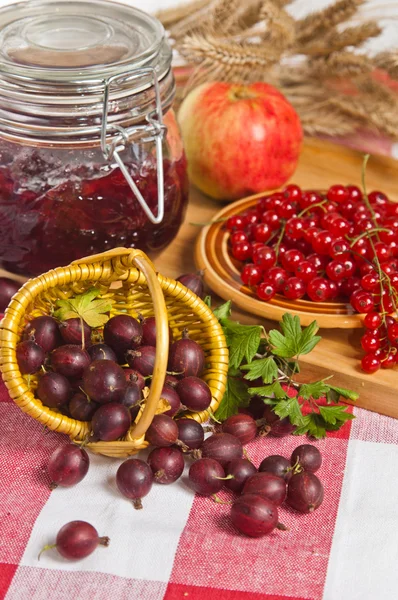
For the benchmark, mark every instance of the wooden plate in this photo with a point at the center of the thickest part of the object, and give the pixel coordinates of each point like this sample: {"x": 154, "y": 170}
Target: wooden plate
{"x": 221, "y": 273}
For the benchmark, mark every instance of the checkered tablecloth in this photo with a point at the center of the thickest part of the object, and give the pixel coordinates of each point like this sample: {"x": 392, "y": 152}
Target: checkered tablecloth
{"x": 182, "y": 546}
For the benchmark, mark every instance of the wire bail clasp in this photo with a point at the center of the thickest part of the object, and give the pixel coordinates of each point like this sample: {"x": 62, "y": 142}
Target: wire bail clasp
{"x": 153, "y": 131}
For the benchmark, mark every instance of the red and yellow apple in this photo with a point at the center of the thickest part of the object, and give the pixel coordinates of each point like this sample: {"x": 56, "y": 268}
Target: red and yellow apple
{"x": 239, "y": 139}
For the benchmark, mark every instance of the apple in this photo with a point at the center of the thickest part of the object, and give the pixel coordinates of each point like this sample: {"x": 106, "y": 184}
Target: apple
{"x": 239, "y": 139}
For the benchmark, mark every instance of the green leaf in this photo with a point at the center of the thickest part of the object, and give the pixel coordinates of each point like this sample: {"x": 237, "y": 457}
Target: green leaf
{"x": 293, "y": 341}
{"x": 242, "y": 340}
{"x": 308, "y": 339}
{"x": 85, "y": 307}
{"x": 332, "y": 396}
{"x": 275, "y": 389}
{"x": 348, "y": 394}
{"x": 315, "y": 390}
{"x": 335, "y": 414}
{"x": 290, "y": 326}
{"x": 207, "y": 301}
{"x": 223, "y": 311}
{"x": 235, "y": 397}
{"x": 289, "y": 408}
{"x": 266, "y": 368}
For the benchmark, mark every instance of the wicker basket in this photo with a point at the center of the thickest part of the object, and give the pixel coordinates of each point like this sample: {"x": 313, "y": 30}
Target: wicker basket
{"x": 128, "y": 278}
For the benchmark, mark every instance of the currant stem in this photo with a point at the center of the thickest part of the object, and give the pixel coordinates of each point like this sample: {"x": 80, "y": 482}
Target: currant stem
{"x": 47, "y": 547}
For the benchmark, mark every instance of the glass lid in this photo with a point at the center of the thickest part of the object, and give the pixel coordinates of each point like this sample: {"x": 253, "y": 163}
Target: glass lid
{"x": 71, "y": 39}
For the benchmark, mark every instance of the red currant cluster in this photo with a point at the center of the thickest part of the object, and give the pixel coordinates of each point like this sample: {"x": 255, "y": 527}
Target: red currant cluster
{"x": 339, "y": 245}
{"x": 380, "y": 342}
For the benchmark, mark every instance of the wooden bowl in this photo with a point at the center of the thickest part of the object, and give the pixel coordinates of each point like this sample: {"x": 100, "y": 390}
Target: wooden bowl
{"x": 222, "y": 274}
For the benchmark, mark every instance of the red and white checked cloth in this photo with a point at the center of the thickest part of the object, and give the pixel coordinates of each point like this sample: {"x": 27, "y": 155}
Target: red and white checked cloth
{"x": 182, "y": 547}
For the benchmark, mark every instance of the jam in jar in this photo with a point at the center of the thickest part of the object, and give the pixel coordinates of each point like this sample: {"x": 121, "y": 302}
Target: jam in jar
{"x": 90, "y": 152}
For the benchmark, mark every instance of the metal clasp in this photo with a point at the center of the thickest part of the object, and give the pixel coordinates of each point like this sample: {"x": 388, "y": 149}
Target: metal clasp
{"x": 155, "y": 130}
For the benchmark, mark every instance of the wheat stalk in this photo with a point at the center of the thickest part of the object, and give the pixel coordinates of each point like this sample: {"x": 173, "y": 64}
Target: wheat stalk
{"x": 341, "y": 64}
{"x": 335, "y": 40}
{"x": 170, "y": 16}
{"x": 320, "y": 22}
{"x": 388, "y": 61}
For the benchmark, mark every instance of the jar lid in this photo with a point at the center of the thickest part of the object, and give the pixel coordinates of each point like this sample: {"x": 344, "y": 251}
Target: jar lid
{"x": 64, "y": 40}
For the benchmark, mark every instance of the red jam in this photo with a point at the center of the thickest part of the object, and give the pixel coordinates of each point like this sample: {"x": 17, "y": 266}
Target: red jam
{"x": 53, "y": 211}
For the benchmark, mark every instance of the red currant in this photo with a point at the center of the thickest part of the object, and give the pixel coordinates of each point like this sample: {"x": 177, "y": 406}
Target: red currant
{"x": 362, "y": 301}
{"x": 318, "y": 261}
{"x": 238, "y": 236}
{"x": 339, "y": 249}
{"x": 350, "y": 285}
{"x": 251, "y": 274}
{"x": 387, "y": 360}
{"x": 287, "y": 209}
{"x": 278, "y": 277}
{"x": 236, "y": 222}
{"x": 370, "y": 342}
{"x": 262, "y": 232}
{"x": 311, "y": 233}
{"x": 291, "y": 258}
{"x": 295, "y": 228}
{"x": 377, "y": 198}
{"x": 294, "y": 288}
{"x": 318, "y": 289}
{"x": 339, "y": 227}
{"x": 370, "y": 363}
{"x": 271, "y": 218}
{"x": 265, "y": 257}
{"x": 354, "y": 193}
{"x": 338, "y": 193}
{"x": 382, "y": 251}
{"x": 370, "y": 282}
{"x": 335, "y": 270}
{"x": 305, "y": 270}
{"x": 266, "y": 291}
{"x": 334, "y": 289}
{"x": 386, "y": 302}
{"x": 392, "y": 332}
{"x": 322, "y": 242}
{"x": 242, "y": 251}
{"x": 308, "y": 198}
{"x": 372, "y": 320}
{"x": 292, "y": 192}
{"x": 252, "y": 217}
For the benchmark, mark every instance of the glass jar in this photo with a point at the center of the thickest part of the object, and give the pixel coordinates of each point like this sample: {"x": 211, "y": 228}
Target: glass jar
{"x": 88, "y": 162}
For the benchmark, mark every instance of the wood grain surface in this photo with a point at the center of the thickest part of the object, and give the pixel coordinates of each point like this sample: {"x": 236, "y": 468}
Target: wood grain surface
{"x": 321, "y": 164}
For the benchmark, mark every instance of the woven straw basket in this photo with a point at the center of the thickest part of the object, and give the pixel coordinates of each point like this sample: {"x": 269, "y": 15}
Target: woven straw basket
{"x": 129, "y": 279}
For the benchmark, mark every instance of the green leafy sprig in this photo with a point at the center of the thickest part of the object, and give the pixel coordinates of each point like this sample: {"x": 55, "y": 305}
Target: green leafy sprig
{"x": 86, "y": 307}
{"x": 271, "y": 361}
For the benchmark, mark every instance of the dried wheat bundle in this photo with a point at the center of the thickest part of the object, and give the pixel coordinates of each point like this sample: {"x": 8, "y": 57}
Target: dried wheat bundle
{"x": 314, "y": 61}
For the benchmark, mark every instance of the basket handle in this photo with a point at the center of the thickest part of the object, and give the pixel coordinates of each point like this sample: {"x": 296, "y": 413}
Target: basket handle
{"x": 127, "y": 258}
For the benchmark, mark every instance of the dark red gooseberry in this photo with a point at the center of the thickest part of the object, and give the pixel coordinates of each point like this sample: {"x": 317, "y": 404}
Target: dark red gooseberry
{"x": 307, "y": 457}
{"x": 194, "y": 282}
{"x": 149, "y": 332}
{"x": 8, "y": 287}
{"x": 135, "y": 376}
{"x": 44, "y": 331}
{"x": 142, "y": 359}
{"x": 54, "y": 390}
{"x": 241, "y": 426}
{"x": 167, "y": 464}
{"x": 190, "y": 433}
{"x": 240, "y": 469}
{"x": 194, "y": 393}
{"x": 104, "y": 381}
{"x": 206, "y": 476}
{"x": 277, "y": 465}
{"x": 268, "y": 486}
{"x": 70, "y": 360}
{"x": 186, "y": 357}
{"x": 279, "y": 427}
{"x": 253, "y": 515}
{"x": 304, "y": 492}
{"x": 134, "y": 479}
{"x": 81, "y": 407}
{"x": 101, "y": 352}
{"x": 75, "y": 331}
{"x": 131, "y": 395}
{"x": 170, "y": 395}
{"x": 110, "y": 422}
{"x": 162, "y": 432}
{"x": 68, "y": 465}
{"x": 222, "y": 447}
{"x": 30, "y": 357}
{"x": 122, "y": 333}
{"x": 78, "y": 539}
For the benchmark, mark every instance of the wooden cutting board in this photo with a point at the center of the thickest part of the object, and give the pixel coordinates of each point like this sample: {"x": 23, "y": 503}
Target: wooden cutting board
{"x": 321, "y": 164}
